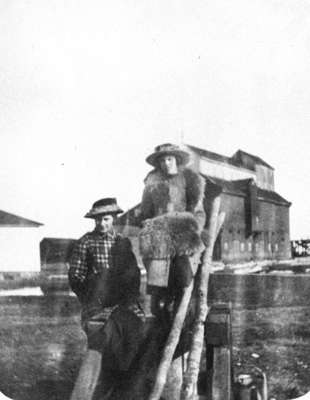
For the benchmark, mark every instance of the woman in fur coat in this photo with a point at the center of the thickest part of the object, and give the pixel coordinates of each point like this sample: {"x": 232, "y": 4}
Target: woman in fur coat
{"x": 174, "y": 216}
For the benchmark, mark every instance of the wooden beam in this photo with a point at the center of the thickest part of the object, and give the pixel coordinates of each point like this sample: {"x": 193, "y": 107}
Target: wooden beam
{"x": 193, "y": 362}
{"x": 221, "y": 382}
{"x": 88, "y": 376}
{"x": 171, "y": 344}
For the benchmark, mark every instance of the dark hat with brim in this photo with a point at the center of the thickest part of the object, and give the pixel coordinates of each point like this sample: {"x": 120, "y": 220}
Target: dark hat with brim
{"x": 104, "y": 207}
{"x": 166, "y": 150}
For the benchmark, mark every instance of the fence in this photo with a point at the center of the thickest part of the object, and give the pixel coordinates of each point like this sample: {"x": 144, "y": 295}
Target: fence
{"x": 300, "y": 248}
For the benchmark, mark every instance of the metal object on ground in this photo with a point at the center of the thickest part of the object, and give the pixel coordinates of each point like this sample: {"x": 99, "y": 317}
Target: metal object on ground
{"x": 245, "y": 379}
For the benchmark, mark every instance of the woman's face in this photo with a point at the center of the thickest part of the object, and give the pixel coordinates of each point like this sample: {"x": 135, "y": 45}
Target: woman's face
{"x": 168, "y": 164}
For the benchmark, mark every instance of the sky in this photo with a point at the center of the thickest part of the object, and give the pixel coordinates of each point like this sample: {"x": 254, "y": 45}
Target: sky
{"x": 89, "y": 88}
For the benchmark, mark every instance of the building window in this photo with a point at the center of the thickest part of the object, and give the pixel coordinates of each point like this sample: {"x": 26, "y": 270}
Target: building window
{"x": 236, "y": 245}
{"x": 269, "y": 246}
{"x": 250, "y": 246}
{"x": 242, "y": 247}
{"x": 225, "y": 246}
{"x": 276, "y": 247}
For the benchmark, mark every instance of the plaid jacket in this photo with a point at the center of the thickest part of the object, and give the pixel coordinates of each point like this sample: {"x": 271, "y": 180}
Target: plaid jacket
{"x": 92, "y": 252}
{"x": 103, "y": 273}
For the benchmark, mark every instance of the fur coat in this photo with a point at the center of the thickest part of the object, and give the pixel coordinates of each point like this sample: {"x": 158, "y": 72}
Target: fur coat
{"x": 173, "y": 206}
{"x": 181, "y": 192}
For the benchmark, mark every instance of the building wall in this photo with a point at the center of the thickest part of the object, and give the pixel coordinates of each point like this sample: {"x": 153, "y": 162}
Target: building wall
{"x": 275, "y": 229}
{"x": 237, "y": 244}
{"x": 20, "y": 249}
{"x": 224, "y": 171}
{"x": 264, "y": 177}
{"x": 218, "y": 169}
{"x": 194, "y": 160}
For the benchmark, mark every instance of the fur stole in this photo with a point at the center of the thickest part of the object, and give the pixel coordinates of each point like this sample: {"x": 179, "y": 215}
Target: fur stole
{"x": 170, "y": 234}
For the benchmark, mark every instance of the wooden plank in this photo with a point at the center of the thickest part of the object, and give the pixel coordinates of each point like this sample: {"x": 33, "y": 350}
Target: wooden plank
{"x": 190, "y": 379}
{"x": 218, "y": 326}
{"x": 218, "y": 340}
{"x": 221, "y": 382}
{"x": 88, "y": 376}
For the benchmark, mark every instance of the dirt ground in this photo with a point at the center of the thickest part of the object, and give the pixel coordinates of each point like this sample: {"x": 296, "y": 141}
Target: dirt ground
{"x": 281, "y": 339}
{"x": 41, "y": 346}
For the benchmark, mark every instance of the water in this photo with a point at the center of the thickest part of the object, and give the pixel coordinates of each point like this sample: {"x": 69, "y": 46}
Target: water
{"x": 29, "y": 291}
{"x": 26, "y": 291}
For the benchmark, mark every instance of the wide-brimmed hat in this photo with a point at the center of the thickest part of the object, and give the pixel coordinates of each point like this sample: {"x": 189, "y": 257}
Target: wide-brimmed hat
{"x": 104, "y": 207}
{"x": 168, "y": 149}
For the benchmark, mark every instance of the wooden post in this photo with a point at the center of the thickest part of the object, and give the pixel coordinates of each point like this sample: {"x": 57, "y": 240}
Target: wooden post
{"x": 171, "y": 344}
{"x": 87, "y": 379}
{"x": 219, "y": 346}
{"x": 193, "y": 362}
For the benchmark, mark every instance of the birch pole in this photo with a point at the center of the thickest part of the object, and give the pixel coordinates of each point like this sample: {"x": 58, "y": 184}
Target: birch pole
{"x": 88, "y": 376}
{"x": 171, "y": 344}
{"x": 193, "y": 362}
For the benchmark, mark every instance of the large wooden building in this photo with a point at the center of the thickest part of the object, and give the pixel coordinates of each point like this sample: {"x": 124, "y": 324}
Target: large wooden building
{"x": 256, "y": 225}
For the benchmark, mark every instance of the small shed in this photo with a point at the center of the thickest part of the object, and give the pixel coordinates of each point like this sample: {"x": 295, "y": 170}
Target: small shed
{"x": 55, "y": 254}
{"x": 19, "y": 243}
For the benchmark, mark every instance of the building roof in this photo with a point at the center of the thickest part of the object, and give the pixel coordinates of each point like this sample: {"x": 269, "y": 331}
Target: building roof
{"x": 240, "y": 188}
{"x": 240, "y": 154}
{"x": 273, "y": 197}
{"x": 12, "y": 220}
{"x": 237, "y": 160}
{"x": 209, "y": 154}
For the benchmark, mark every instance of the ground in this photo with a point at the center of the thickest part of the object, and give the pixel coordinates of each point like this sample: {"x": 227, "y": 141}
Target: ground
{"x": 41, "y": 346}
{"x": 281, "y": 339}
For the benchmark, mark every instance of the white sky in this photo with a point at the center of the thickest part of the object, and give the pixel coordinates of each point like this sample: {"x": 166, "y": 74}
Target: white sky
{"x": 88, "y": 88}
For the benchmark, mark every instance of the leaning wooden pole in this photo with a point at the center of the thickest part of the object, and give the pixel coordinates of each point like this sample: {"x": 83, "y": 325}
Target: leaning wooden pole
{"x": 88, "y": 376}
{"x": 171, "y": 344}
{"x": 190, "y": 379}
